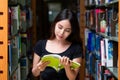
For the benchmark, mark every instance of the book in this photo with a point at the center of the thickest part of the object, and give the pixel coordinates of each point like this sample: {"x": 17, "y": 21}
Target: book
{"x": 24, "y": 67}
{"x": 16, "y": 74}
{"x": 109, "y": 52}
{"x": 55, "y": 62}
{"x": 102, "y": 52}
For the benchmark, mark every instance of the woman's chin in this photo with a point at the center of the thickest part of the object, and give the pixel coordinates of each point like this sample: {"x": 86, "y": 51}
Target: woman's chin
{"x": 59, "y": 38}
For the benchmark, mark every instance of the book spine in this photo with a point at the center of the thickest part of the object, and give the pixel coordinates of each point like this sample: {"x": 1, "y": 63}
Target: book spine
{"x": 102, "y": 50}
{"x": 10, "y": 56}
{"x": 24, "y": 68}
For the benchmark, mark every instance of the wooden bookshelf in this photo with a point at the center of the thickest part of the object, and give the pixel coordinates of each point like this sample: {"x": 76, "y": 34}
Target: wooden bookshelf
{"x": 115, "y": 70}
{"x": 3, "y": 39}
{"x": 33, "y": 7}
{"x": 82, "y": 29}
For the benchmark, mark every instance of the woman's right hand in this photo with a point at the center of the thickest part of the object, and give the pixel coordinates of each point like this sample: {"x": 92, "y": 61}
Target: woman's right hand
{"x": 42, "y": 65}
{"x": 38, "y": 65}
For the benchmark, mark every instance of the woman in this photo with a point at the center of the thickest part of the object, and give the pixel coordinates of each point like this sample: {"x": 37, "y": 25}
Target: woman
{"x": 64, "y": 41}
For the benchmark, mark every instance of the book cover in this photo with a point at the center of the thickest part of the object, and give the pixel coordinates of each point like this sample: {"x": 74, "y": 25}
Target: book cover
{"x": 100, "y": 15}
{"x": 55, "y": 63}
{"x": 109, "y": 21}
{"x": 92, "y": 19}
{"x": 10, "y": 56}
{"x": 16, "y": 74}
{"x": 15, "y": 11}
{"x": 91, "y": 42}
{"x": 24, "y": 66}
{"x": 102, "y": 51}
{"x": 114, "y": 51}
{"x": 91, "y": 63}
{"x": 98, "y": 70}
{"x": 97, "y": 47}
{"x": 9, "y": 21}
{"x": 87, "y": 18}
{"x": 108, "y": 62}
{"x": 109, "y": 52}
{"x": 114, "y": 21}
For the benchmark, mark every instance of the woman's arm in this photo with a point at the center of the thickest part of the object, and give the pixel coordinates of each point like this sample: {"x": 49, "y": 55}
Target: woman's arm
{"x": 35, "y": 69}
{"x": 71, "y": 73}
{"x": 38, "y": 65}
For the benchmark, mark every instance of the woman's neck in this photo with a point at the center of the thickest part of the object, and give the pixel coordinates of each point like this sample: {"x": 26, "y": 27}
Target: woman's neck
{"x": 60, "y": 42}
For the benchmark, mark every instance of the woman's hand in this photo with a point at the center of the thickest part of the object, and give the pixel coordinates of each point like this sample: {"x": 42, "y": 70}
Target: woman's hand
{"x": 38, "y": 65}
{"x": 65, "y": 61}
{"x": 42, "y": 65}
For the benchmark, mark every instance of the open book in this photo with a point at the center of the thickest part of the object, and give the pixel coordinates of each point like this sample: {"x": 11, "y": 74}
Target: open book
{"x": 55, "y": 62}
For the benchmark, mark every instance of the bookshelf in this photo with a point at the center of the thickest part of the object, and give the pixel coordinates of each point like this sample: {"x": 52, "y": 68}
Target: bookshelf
{"x": 15, "y": 39}
{"x": 19, "y": 38}
{"x": 3, "y": 40}
{"x": 102, "y": 39}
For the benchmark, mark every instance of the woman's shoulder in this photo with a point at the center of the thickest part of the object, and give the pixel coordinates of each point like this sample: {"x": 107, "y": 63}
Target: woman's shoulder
{"x": 40, "y": 43}
{"x": 39, "y": 47}
{"x": 76, "y": 45}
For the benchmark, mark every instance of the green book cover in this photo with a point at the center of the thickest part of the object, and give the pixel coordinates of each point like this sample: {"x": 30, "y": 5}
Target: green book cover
{"x": 55, "y": 62}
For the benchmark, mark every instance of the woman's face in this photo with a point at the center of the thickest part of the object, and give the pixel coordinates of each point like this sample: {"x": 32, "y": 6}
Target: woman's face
{"x": 62, "y": 29}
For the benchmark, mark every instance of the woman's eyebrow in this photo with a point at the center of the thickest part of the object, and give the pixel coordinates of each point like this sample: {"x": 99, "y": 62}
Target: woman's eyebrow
{"x": 62, "y": 26}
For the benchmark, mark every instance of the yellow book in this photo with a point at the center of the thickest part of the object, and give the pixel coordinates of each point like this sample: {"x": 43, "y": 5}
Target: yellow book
{"x": 55, "y": 62}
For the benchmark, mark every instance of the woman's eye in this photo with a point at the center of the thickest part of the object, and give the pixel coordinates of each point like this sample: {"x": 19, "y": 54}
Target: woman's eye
{"x": 67, "y": 30}
{"x": 59, "y": 27}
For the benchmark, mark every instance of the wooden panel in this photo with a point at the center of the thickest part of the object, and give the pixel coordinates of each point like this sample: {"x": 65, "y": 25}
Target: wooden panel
{"x": 3, "y": 39}
{"x": 82, "y": 29}
{"x": 33, "y": 7}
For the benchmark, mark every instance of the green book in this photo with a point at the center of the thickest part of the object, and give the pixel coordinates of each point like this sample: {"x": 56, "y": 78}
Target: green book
{"x": 55, "y": 62}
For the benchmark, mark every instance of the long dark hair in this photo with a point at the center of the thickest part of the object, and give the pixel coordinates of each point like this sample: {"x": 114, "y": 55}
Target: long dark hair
{"x": 74, "y": 37}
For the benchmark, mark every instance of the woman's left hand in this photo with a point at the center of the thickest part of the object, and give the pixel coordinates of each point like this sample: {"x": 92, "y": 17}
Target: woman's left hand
{"x": 65, "y": 61}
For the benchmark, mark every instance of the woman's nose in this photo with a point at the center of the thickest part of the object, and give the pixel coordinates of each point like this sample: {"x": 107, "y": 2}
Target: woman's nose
{"x": 62, "y": 31}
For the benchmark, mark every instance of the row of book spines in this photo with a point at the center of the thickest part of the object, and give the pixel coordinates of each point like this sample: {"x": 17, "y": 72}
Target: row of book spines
{"x": 98, "y": 2}
{"x": 17, "y": 47}
{"x": 94, "y": 68}
{"x": 19, "y": 20}
{"x": 102, "y": 48}
{"x": 21, "y": 71}
{"x": 15, "y": 53}
{"x": 19, "y": 42}
{"x": 103, "y": 20}
{"x": 22, "y": 3}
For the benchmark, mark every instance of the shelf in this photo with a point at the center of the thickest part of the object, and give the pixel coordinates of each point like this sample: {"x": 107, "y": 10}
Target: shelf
{"x": 104, "y": 5}
{"x": 114, "y": 71}
{"x": 112, "y": 38}
{"x": 102, "y": 38}
{"x": 109, "y": 37}
{"x": 108, "y": 4}
{"x": 112, "y": 2}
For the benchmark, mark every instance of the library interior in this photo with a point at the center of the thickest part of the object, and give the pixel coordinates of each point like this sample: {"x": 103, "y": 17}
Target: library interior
{"x": 24, "y": 22}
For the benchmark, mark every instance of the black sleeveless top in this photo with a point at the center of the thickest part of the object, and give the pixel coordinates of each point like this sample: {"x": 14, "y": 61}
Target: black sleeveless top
{"x": 74, "y": 51}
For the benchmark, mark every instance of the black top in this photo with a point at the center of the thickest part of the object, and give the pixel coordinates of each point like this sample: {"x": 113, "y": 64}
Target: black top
{"x": 74, "y": 51}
